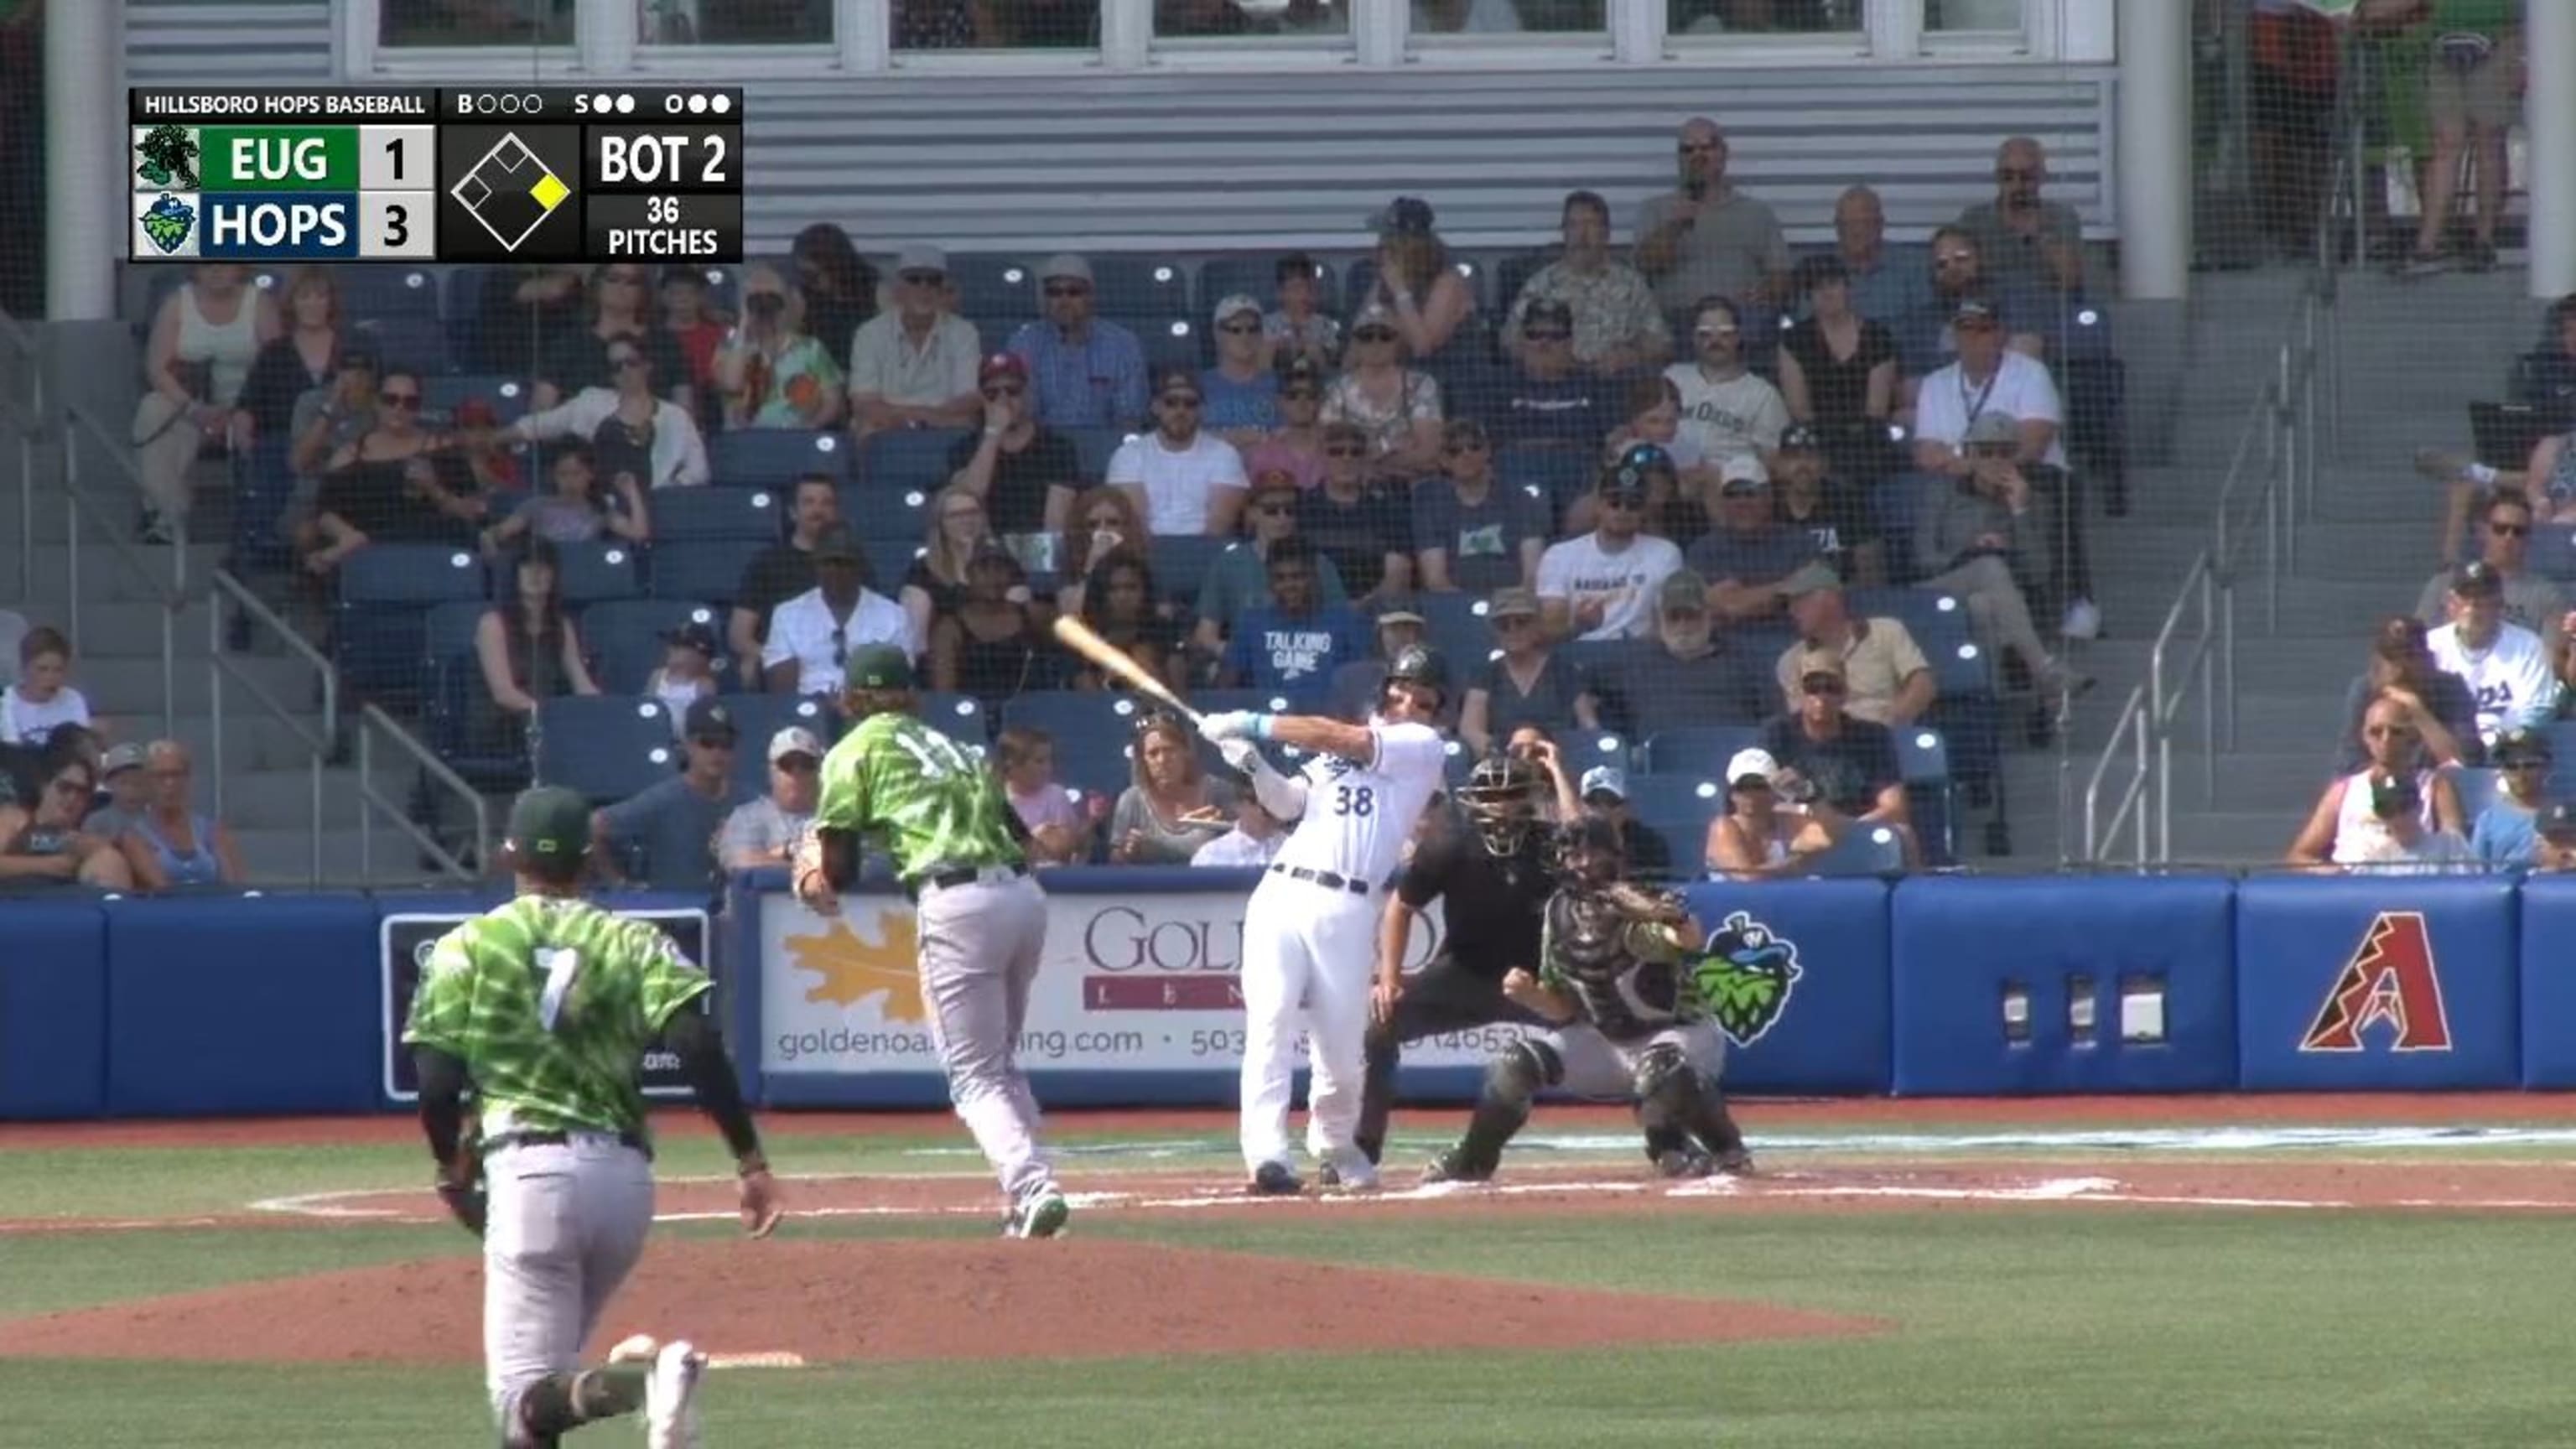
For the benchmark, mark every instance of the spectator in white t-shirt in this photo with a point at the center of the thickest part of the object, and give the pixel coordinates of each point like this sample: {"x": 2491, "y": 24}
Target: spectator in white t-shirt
{"x": 2506, "y": 666}
{"x": 812, "y": 634}
{"x": 1991, "y": 377}
{"x": 41, "y": 702}
{"x": 1603, "y": 585}
{"x": 1254, "y": 840}
{"x": 1182, "y": 480}
{"x": 1727, "y": 410}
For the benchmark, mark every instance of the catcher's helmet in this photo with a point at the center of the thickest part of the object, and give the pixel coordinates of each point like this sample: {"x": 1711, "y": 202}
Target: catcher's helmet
{"x": 1420, "y": 664}
{"x": 1589, "y": 849}
{"x": 1501, "y": 799}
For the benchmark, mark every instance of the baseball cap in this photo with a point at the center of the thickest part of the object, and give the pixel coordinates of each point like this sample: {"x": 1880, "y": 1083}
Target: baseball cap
{"x": 1300, "y": 369}
{"x": 1683, "y": 593}
{"x": 2557, "y": 819}
{"x": 549, "y": 823}
{"x": 1513, "y": 602}
{"x": 921, "y": 257}
{"x": 1799, "y": 438}
{"x": 1628, "y": 474}
{"x": 836, "y": 544}
{"x": 1607, "y": 780}
{"x": 1235, "y": 306}
{"x": 2522, "y": 744}
{"x": 1553, "y": 310}
{"x": 2477, "y": 577}
{"x": 1373, "y": 313}
{"x": 1400, "y": 611}
{"x": 794, "y": 740}
{"x": 1993, "y": 429}
{"x": 356, "y": 353}
{"x": 878, "y": 666}
{"x": 1742, "y": 473}
{"x": 1272, "y": 480}
{"x": 1973, "y": 308}
{"x": 1404, "y": 216}
{"x": 708, "y": 719}
{"x": 119, "y": 760}
{"x": 2399, "y": 636}
{"x": 1811, "y": 578}
{"x": 1755, "y": 764}
{"x": 1065, "y": 265}
{"x": 1813, "y": 662}
{"x": 694, "y": 636}
{"x": 1001, "y": 364}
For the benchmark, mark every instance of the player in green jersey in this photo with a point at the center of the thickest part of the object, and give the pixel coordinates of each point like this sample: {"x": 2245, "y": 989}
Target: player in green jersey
{"x": 543, "y": 1008}
{"x": 960, "y": 850}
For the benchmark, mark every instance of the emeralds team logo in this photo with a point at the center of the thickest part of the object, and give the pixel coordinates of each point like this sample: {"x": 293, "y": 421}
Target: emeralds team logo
{"x": 168, "y": 222}
{"x": 169, "y": 157}
{"x": 1746, "y": 974}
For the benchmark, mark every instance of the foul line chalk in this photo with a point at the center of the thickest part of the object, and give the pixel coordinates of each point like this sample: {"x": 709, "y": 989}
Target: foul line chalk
{"x": 769, "y": 1360}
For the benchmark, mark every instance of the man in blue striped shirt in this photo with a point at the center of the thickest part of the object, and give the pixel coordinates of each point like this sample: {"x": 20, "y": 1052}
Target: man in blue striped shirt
{"x": 1084, "y": 372}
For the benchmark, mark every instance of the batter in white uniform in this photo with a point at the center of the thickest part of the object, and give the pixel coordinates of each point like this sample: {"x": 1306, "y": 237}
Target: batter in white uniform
{"x": 1310, "y": 930}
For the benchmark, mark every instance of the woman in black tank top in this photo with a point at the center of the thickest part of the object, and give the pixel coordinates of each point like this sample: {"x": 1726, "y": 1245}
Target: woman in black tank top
{"x": 46, "y": 846}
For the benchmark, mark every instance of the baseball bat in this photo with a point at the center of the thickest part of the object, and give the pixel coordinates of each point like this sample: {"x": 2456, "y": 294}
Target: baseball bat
{"x": 1078, "y": 637}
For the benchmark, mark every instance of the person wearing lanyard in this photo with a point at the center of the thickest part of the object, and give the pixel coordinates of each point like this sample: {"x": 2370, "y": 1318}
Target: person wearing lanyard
{"x": 1989, "y": 375}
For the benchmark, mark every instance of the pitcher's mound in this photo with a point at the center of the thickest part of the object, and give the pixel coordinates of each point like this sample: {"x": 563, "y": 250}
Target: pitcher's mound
{"x": 831, "y": 1301}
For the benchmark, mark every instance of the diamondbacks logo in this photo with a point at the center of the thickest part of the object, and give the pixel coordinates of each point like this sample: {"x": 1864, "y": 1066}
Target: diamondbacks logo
{"x": 2392, "y": 980}
{"x": 1746, "y": 974}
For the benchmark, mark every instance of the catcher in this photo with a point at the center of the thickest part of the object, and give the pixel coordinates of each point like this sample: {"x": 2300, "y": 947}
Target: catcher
{"x": 1613, "y": 975}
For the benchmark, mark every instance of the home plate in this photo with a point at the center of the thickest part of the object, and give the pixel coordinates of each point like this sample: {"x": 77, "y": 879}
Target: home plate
{"x": 755, "y": 1360}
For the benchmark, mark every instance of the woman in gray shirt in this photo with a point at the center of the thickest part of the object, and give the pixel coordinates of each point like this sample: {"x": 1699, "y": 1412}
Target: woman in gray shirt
{"x": 1173, "y": 808}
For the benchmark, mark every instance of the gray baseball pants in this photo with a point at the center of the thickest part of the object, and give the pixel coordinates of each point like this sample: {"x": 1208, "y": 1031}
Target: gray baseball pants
{"x": 564, "y": 1227}
{"x": 981, "y": 943}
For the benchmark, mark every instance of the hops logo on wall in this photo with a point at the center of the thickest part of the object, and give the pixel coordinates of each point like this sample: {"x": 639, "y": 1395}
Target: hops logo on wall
{"x": 1746, "y": 974}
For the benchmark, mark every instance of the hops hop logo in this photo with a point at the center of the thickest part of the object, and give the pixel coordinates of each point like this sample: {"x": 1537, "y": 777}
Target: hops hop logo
{"x": 1746, "y": 974}
{"x": 169, "y": 222}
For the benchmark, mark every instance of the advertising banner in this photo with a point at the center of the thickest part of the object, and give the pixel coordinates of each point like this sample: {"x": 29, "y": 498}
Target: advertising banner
{"x": 406, "y": 941}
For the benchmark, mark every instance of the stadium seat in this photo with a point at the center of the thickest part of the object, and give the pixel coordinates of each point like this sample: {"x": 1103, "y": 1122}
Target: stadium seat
{"x": 1142, "y": 286}
{"x": 1457, "y": 762}
{"x": 1922, "y": 756}
{"x": 1700, "y": 751}
{"x": 1092, "y": 732}
{"x": 382, "y": 617}
{"x": 604, "y": 747}
{"x": 1000, "y": 286}
{"x": 889, "y": 559}
{"x": 1583, "y": 750}
{"x": 1092, "y": 449}
{"x": 886, "y": 513}
{"x": 1560, "y": 475}
{"x": 1355, "y": 688}
{"x": 1874, "y": 850}
{"x": 961, "y": 717}
{"x": 447, "y": 631}
{"x": 907, "y": 459}
{"x": 409, "y": 342}
{"x": 703, "y": 513}
{"x": 1254, "y": 275}
{"x": 1362, "y": 277}
{"x": 773, "y": 457}
{"x": 702, "y": 571}
{"x": 1677, "y": 798}
{"x": 1513, "y": 273}
{"x": 1456, "y": 623}
{"x": 410, "y": 574}
{"x": 2480, "y": 787}
{"x": 623, "y": 638}
{"x": 1169, "y": 339}
{"x": 600, "y": 570}
{"x": 756, "y": 717}
{"x": 507, "y": 395}
{"x": 1181, "y": 565}
{"x": 1940, "y": 626}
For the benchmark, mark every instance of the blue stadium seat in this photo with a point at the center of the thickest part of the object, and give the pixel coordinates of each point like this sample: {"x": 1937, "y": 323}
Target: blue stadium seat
{"x": 1701, "y": 751}
{"x": 1560, "y": 475}
{"x": 1871, "y": 851}
{"x": 1688, "y": 798}
{"x": 1513, "y": 273}
{"x": 624, "y": 638}
{"x": 1255, "y": 274}
{"x": 1181, "y": 565}
{"x": 447, "y": 632}
{"x": 1092, "y": 731}
{"x": 598, "y": 571}
{"x": 702, "y": 571}
{"x": 889, "y": 559}
{"x": 1362, "y": 276}
{"x": 1092, "y": 449}
{"x": 410, "y": 574}
{"x": 1142, "y": 285}
{"x": 756, "y": 717}
{"x": 1456, "y": 623}
{"x": 1687, "y": 845}
{"x": 412, "y": 343}
{"x": 1169, "y": 339}
{"x": 1583, "y": 750}
{"x": 907, "y": 459}
{"x": 2480, "y": 787}
{"x": 1001, "y": 286}
{"x": 775, "y": 457}
{"x": 887, "y": 514}
{"x": 704, "y": 513}
{"x": 1355, "y": 688}
{"x": 1922, "y": 755}
{"x": 382, "y": 615}
{"x": 507, "y": 395}
{"x": 961, "y": 717}
{"x": 605, "y": 747}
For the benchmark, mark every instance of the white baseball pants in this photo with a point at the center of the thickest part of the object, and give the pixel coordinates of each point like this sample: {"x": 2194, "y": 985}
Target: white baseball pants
{"x": 981, "y": 944}
{"x": 563, "y": 1227}
{"x": 1308, "y": 955}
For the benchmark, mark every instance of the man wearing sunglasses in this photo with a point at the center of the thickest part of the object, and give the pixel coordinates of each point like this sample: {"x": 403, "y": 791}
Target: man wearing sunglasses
{"x": 1183, "y": 480}
{"x": 914, "y": 367}
{"x": 2507, "y": 833}
{"x": 2504, "y": 545}
{"x": 2025, "y": 240}
{"x": 2507, "y": 668}
{"x": 1728, "y": 410}
{"x": 1242, "y": 390}
{"x": 664, "y": 835}
{"x": 1617, "y": 326}
{"x": 1841, "y": 767}
{"x": 1239, "y": 580}
{"x": 1604, "y": 584}
{"x": 1705, "y": 237}
{"x": 1086, "y": 373}
{"x": 1550, "y": 400}
{"x": 1025, "y": 472}
{"x": 766, "y": 832}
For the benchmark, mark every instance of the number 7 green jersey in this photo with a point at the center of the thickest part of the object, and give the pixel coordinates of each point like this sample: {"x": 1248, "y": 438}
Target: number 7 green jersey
{"x": 550, "y": 1004}
{"x": 930, "y": 800}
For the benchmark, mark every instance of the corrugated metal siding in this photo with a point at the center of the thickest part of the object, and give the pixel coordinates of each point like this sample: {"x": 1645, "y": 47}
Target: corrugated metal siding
{"x": 228, "y": 42}
{"x": 1203, "y": 162}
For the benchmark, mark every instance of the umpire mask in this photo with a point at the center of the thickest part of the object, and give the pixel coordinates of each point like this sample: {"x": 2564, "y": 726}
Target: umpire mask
{"x": 1501, "y": 798}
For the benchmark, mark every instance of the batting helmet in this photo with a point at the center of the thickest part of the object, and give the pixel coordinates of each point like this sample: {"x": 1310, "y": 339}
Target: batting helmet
{"x": 1420, "y": 664}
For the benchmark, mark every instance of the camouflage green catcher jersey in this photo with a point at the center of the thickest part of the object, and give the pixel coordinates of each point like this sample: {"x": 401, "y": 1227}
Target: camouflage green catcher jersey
{"x": 929, "y": 800}
{"x": 550, "y": 1005}
{"x": 1628, "y": 979}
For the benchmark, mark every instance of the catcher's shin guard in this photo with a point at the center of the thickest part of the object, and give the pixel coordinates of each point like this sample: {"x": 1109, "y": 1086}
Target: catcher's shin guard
{"x": 1511, "y": 1081}
{"x": 1716, "y": 1128}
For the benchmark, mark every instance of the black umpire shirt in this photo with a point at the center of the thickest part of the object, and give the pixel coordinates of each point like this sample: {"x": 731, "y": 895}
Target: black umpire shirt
{"x": 1492, "y": 907}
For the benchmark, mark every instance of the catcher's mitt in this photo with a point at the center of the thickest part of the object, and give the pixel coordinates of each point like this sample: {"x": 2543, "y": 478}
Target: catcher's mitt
{"x": 1638, "y": 903}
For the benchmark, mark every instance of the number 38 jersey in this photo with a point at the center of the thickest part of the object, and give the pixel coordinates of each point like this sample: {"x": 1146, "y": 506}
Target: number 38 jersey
{"x": 550, "y": 1004}
{"x": 1358, "y": 816}
{"x": 931, "y": 802}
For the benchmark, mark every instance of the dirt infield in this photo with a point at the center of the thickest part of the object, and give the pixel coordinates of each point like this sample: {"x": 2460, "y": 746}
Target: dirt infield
{"x": 823, "y": 1302}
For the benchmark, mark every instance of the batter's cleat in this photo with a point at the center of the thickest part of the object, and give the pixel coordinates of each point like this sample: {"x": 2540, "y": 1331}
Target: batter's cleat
{"x": 1042, "y": 1213}
{"x": 671, "y": 1397}
{"x": 1448, "y": 1168}
{"x": 1682, "y": 1162}
{"x": 1274, "y": 1179}
{"x": 1351, "y": 1173}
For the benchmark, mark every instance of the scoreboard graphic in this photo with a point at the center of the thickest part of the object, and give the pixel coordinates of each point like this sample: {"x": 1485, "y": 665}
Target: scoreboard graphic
{"x": 479, "y": 174}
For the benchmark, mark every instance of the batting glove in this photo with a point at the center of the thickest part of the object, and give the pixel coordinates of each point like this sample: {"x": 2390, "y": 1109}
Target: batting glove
{"x": 1235, "y": 724}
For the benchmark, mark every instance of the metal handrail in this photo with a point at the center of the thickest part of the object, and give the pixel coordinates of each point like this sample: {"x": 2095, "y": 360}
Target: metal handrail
{"x": 79, "y": 505}
{"x": 319, "y": 744}
{"x": 373, "y": 721}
